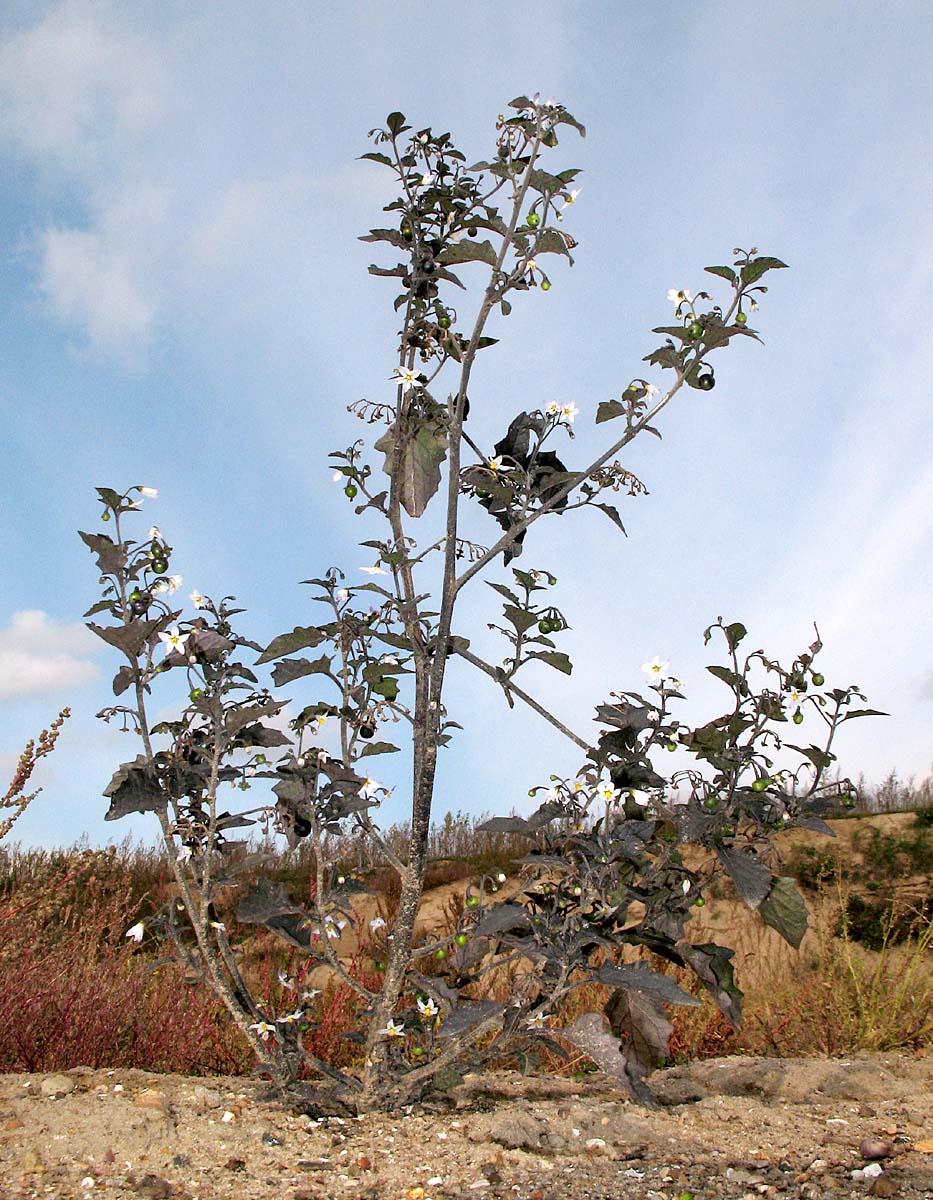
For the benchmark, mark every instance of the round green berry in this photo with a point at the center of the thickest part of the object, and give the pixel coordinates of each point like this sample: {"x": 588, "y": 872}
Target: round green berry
{"x": 533, "y": 220}
{"x": 440, "y": 954}
{"x": 699, "y": 902}
{"x": 351, "y": 491}
{"x": 741, "y": 318}
{"x": 462, "y": 938}
{"x": 694, "y": 330}
{"x": 818, "y": 679}
{"x": 472, "y": 901}
{"x": 105, "y": 516}
{"x": 797, "y": 718}
{"x": 761, "y": 784}
{"x": 417, "y": 1051}
{"x": 196, "y": 694}
{"x": 545, "y": 285}
{"x": 159, "y": 566}
{"x": 444, "y": 321}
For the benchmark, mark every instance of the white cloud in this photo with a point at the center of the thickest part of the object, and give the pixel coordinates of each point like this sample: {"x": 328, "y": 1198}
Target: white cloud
{"x": 39, "y": 656}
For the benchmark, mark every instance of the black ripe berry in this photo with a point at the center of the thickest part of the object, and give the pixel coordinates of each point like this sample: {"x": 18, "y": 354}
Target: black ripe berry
{"x": 706, "y": 382}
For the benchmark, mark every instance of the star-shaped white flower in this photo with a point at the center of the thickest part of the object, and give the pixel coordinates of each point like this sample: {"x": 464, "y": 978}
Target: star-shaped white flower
{"x": 679, "y": 296}
{"x": 136, "y": 931}
{"x": 553, "y": 409}
{"x": 264, "y": 1029}
{"x": 149, "y": 492}
{"x": 197, "y": 599}
{"x": 155, "y": 534}
{"x": 641, "y": 798}
{"x": 651, "y": 389}
{"x": 332, "y": 928}
{"x": 407, "y": 378}
{"x": 342, "y": 595}
{"x": 495, "y": 464}
{"x": 537, "y": 1021}
{"x": 655, "y": 670}
{"x": 308, "y": 995}
{"x": 686, "y": 886}
{"x": 675, "y": 685}
{"x": 568, "y": 412}
{"x": 428, "y": 1008}
{"x": 393, "y": 1029}
{"x": 376, "y": 570}
{"x": 377, "y": 923}
{"x": 796, "y": 698}
{"x": 607, "y": 793}
{"x": 292, "y": 1017}
{"x": 286, "y": 982}
{"x": 370, "y": 788}
{"x": 173, "y": 639}
{"x": 571, "y": 196}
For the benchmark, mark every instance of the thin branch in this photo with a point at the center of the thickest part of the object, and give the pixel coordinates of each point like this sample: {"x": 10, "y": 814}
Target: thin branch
{"x": 511, "y": 688}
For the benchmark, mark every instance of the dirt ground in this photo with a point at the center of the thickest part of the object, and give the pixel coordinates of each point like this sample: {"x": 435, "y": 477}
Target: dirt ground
{"x": 735, "y": 1127}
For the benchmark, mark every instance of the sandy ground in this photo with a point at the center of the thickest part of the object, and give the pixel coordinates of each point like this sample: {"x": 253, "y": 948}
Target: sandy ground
{"x": 725, "y": 1127}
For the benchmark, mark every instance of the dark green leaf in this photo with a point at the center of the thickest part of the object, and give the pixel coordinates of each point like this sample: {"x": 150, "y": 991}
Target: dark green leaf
{"x": 863, "y": 712}
{"x": 467, "y": 1014}
{"x": 375, "y": 156}
{"x": 395, "y": 123}
{"x": 588, "y": 1034}
{"x": 751, "y": 876}
{"x": 820, "y": 759}
{"x": 295, "y": 668}
{"x": 501, "y": 919}
{"x": 378, "y": 748}
{"x": 554, "y": 658}
{"x": 638, "y": 976}
{"x": 128, "y": 638}
{"x": 521, "y": 618}
{"x": 263, "y": 735}
{"x": 735, "y": 633}
{"x": 393, "y": 236}
{"x": 419, "y": 474}
{"x": 111, "y": 556}
{"x": 722, "y": 272}
{"x": 713, "y": 967}
{"x": 122, "y": 680}
{"x": 785, "y": 910}
{"x": 608, "y": 410}
{"x": 468, "y": 251}
{"x": 612, "y": 513}
{"x": 639, "y": 1019}
{"x": 753, "y": 271}
{"x": 300, "y": 638}
{"x": 506, "y": 825}
{"x": 134, "y": 788}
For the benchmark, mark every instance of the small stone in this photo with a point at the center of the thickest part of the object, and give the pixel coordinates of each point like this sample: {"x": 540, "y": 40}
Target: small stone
{"x": 13, "y": 1123}
{"x": 873, "y": 1149}
{"x": 154, "y": 1187}
{"x": 227, "y": 1117}
{"x": 57, "y": 1085}
{"x": 478, "y": 1183}
{"x": 269, "y": 1139}
{"x": 884, "y": 1185}
{"x": 235, "y": 1164}
{"x": 150, "y": 1098}
{"x": 205, "y": 1097}
{"x": 364, "y": 1162}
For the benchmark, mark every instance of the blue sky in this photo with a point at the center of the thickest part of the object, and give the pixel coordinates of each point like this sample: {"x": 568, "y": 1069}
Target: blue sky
{"x": 185, "y": 305}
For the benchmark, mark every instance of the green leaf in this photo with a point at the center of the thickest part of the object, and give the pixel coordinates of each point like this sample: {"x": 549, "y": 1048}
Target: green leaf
{"x": 732, "y": 678}
{"x": 520, "y": 103}
{"x": 608, "y": 410}
{"x": 820, "y": 759}
{"x": 554, "y": 658}
{"x": 785, "y": 910}
{"x": 468, "y": 250}
{"x": 521, "y": 618}
{"x": 713, "y": 968}
{"x": 751, "y": 876}
{"x": 129, "y": 638}
{"x": 722, "y": 272}
{"x": 419, "y": 474}
{"x": 393, "y": 236}
{"x": 503, "y": 591}
{"x": 378, "y": 748}
{"x": 111, "y": 556}
{"x": 863, "y": 712}
{"x": 301, "y": 638}
{"x": 551, "y": 242}
{"x": 754, "y": 270}
{"x": 395, "y": 123}
{"x": 375, "y": 156}
{"x": 296, "y": 668}
{"x": 735, "y": 633}
{"x": 613, "y": 514}
{"x": 134, "y": 788}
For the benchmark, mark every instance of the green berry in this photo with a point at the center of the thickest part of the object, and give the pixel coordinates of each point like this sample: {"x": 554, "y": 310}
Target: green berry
{"x": 472, "y": 901}
{"x": 417, "y": 1051}
{"x": 462, "y": 938}
{"x": 379, "y": 964}
{"x": 159, "y": 566}
{"x": 672, "y": 746}
{"x": 710, "y": 803}
{"x": 545, "y": 285}
{"x": 544, "y": 626}
{"x": 699, "y": 902}
{"x": 797, "y": 718}
{"x": 444, "y": 321}
{"x": 407, "y": 233}
{"x": 105, "y": 516}
{"x": 196, "y": 694}
{"x": 761, "y": 784}
{"x": 440, "y": 954}
{"x": 818, "y": 680}
{"x": 741, "y": 318}
{"x": 694, "y": 330}
{"x": 351, "y": 491}
{"x": 533, "y": 220}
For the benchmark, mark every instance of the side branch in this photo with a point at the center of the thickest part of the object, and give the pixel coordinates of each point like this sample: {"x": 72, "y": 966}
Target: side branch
{"x": 554, "y": 499}
{"x": 512, "y": 689}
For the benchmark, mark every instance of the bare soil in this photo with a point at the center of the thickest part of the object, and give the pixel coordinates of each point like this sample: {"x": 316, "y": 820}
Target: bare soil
{"x": 736, "y": 1127}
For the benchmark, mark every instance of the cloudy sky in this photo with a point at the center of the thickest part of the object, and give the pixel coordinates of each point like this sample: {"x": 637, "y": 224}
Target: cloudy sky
{"x": 185, "y": 304}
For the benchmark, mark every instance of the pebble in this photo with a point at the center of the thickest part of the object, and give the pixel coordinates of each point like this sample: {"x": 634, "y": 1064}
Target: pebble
{"x": 150, "y": 1098}
{"x": 57, "y": 1085}
{"x": 872, "y": 1149}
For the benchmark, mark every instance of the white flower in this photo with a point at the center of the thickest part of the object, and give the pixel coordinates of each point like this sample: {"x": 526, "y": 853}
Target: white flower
{"x": 136, "y": 931}
{"x": 553, "y": 409}
{"x": 607, "y": 793}
{"x": 184, "y": 854}
{"x": 376, "y": 570}
{"x": 686, "y": 886}
{"x": 148, "y": 492}
{"x": 308, "y": 995}
{"x": 531, "y": 265}
{"x": 322, "y": 756}
{"x": 370, "y": 788}
{"x": 392, "y": 1029}
{"x": 342, "y": 595}
{"x": 407, "y": 378}
{"x": 285, "y": 981}
{"x": 218, "y": 925}
{"x": 641, "y": 798}
{"x": 537, "y": 1021}
{"x": 332, "y": 928}
{"x": 173, "y": 639}
{"x": 796, "y": 698}
{"x": 501, "y": 877}
{"x": 428, "y": 1008}
{"x": 571, "y": 196}
{"x": 653, "y": 715}
{"x": 568, "y": 412}
{"x": 495, "y": 464}
{"x": 674, "y": 684}
{"x": 155, "y": 533}
{"x": 196, "y": 599}
{"x": 656, "y": 670}
{"x": 390, "y": 660}
{"x": 336, "y": 477}
{"x": 292, "y": 1017}
{"x": 577, "y": 787}
{"x": 679, "y": 296}
{"x": 320, "y": 720}
{"x": 377, "y": 923}
{"x": 264, "y": 1029}
{"x": 168, "y": 584}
